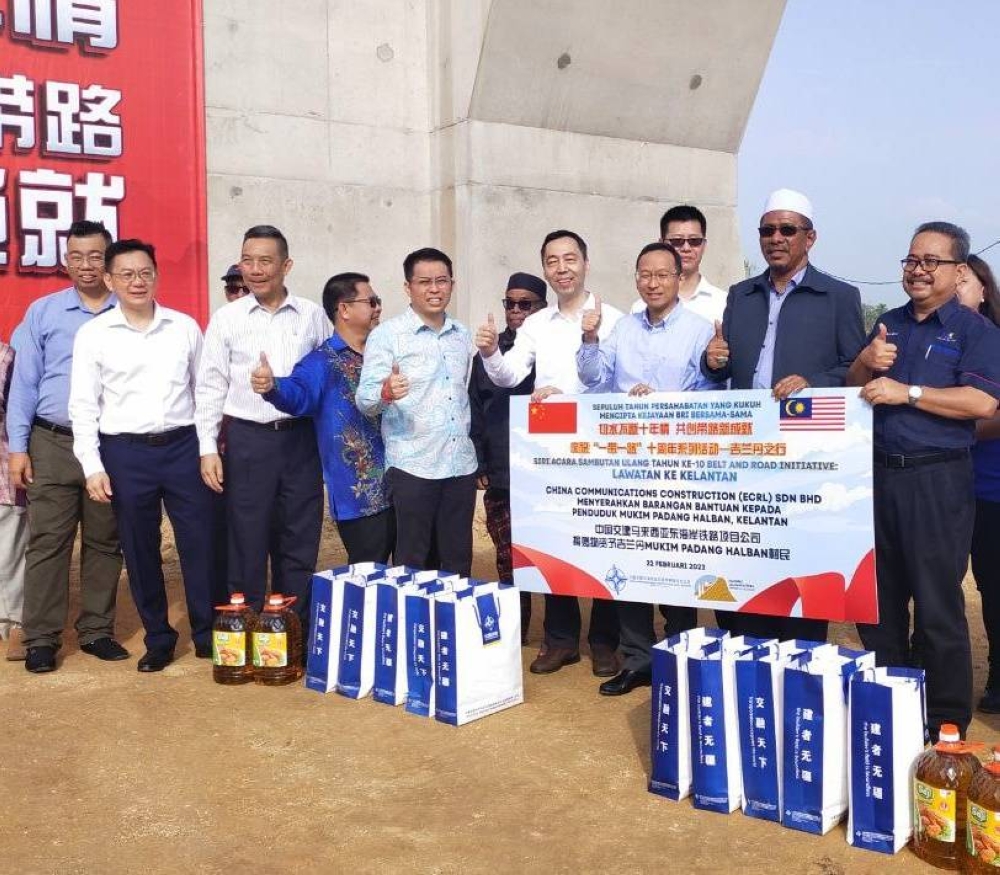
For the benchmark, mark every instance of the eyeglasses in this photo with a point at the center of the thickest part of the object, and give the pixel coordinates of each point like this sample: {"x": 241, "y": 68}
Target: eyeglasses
{"x": 424, "y": 283}
{"x": 928, "y": 263}
{"x": 78, "y": 258}
{"x": 523, "y": 306}
{"x": 661, "y": 276}
{"x": 784, "y": 230}
{"x": 147, "y": 275}
{"x": 693, "y": 242}
{"x": 374, "y": 301}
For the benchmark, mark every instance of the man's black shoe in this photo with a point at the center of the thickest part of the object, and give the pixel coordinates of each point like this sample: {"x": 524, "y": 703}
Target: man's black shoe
{"x": 624, "y": 682}
{"x": 105, "y": 648}
{"x": 156, "y": 660}
{"x": 40, "y": 659}
{"x": 203, "y": 651}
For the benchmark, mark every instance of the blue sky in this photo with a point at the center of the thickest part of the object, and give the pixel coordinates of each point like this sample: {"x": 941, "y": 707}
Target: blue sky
{"x": 885, "y": 114}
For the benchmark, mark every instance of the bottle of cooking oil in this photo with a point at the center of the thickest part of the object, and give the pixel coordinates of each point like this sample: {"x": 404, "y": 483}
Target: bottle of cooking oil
{"x": 277, "y": 643}
{"x": 982, "y": 823}
{"x": 232, "y": 660}
{"x": 940, "y": 793}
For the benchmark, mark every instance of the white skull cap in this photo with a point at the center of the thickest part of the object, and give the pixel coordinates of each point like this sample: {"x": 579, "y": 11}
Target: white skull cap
{"x": 787, "y": 199}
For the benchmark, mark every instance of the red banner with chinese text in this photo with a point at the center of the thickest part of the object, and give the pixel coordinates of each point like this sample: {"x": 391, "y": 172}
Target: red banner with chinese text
{"x": 101, "y": 117}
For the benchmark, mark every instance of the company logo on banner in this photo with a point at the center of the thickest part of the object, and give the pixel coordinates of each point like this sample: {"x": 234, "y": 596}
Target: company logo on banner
{"x": 101, "y": 118}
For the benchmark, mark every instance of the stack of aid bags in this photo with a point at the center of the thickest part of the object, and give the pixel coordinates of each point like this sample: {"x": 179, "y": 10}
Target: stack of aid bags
{"x": 444, "y": 646}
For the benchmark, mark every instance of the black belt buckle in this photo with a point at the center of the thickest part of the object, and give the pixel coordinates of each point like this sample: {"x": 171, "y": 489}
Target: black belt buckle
{"x": 896, "y": 460}
{"x": 160, "y": 439}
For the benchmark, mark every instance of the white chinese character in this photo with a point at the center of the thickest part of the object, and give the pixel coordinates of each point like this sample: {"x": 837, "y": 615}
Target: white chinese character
{"x": 420, "y": 659}
{"x": 444, "y": 634}
{"x": 807, "y": 756}
{"x": 102, "y": 127}
{"x": 319, "y": 636}
{"x": 807, "y": 714}
{"x": 708, "y": 721}
{"x": 389, "y": 617}
{"x": 320, "y": 622}
{"x": 420, "y": 644}
{"x": 663, "y": 746}
{"x": 760, "y": 723}
{"x": 706, "y": 701}
{"x": 762, "y": 762}
{"x": 709, "y": 741}
{"x": 807, "y": 776}
{"x": 351, "y": 644}
{"x": 759, "y": 702}
{"x": 17, "y": 110}
{"x": 876, "y": 771}
{"x": 875, "y": 729}
{"x": 876, "y": 750}
{"x": 353, "y": 628}
{"x": 445, "y": 666}
{"x": 354, "y": 614}
{"x": 3, "y": 218}
{"x": 710, "y": 759}
{"x": 807, "y": 735}
{"x": 445, "y": 682}
{"x": 45, "y": 208}
{"x": 93, "y": 22}
{"x": 444, "y": 651}
{"x": 388, "y": 662}
{"x": 877, "y": 792}
{"x": 666, "y": 710}
{"x": 761, "y": 741}
{"x": 350, "y": 657}
{"x": 420, "y": 629}
{"x": 101, "y": 195}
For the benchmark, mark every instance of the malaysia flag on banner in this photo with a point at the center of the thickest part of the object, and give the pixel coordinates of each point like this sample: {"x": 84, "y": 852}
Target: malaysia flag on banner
{"x": 813, "y": 414}
{"x": 554, "y": 417}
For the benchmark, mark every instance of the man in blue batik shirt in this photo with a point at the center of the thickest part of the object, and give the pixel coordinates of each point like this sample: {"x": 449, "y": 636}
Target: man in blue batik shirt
{"x": 657, "y": 350}
{"x": 322, "y": 385}
{"x": 415, "y": 374}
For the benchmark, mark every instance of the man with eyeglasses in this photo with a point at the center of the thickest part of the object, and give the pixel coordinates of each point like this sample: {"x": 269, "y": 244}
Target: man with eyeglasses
{"x": 657, "y": 350}
{"x": 930, "y": 370}
{"x": 548, "y": 341}
{"x": 322, "y": 386}
{"x": 234, "y": 288}
{"x": 271, "y": 472}
{"x": 416, "y": 375}
{"x": 684, "y": 227}
{"x": 131, "y": 402}
{"x": 791, "y": 328}
{"x": 490, "y": 432}
{"x": 42, "y": 462}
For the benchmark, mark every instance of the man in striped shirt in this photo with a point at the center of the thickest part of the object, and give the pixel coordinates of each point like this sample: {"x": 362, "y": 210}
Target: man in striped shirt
{"x": 271, "y": 473}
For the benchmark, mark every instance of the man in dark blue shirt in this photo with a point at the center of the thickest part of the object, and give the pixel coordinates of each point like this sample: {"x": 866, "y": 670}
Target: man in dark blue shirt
{"x": 322, "y": 385}
{"x": 931, "y": 369}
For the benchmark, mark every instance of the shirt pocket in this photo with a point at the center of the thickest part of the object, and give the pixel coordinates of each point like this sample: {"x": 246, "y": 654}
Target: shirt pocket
{"x": 941, "y": 365}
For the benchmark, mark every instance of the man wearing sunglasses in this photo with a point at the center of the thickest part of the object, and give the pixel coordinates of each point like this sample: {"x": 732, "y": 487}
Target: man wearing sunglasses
{"x": 930, "y": 370}
{"x": 322, "y": 385}
{"x": 791, "y": 328}
{"x": 684, "y": 227}
{"x": 490, "y": 431}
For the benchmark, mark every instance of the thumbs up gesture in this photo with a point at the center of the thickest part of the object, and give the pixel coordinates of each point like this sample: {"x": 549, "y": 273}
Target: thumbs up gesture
{"x": 262, "y": 377}
{"x": 396, "y": 386}
{"x": 591, "y": 322}
{"x": 880, "y": 354}
{"x": 487, "y": 339}
{"x": 717, "y": 352}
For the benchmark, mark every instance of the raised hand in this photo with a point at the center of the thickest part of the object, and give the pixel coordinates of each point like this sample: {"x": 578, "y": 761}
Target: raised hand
{"x": 396, "y": 386}
{"x": 880, "y": 354}
{"x": 487, "y": 339}
{"x": 262, "y": 377}
{"x": 717, "y": 352}
{"x": 591, "y": 322}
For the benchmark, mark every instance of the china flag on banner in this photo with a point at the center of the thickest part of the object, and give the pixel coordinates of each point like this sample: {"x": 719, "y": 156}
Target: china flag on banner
{"x": 554, "y": 417}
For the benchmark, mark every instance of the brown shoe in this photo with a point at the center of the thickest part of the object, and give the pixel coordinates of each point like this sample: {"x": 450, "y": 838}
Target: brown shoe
{"x": 15, "y": 645}
{"x": 553, "y": 659}
{"x": 605, "y": 662}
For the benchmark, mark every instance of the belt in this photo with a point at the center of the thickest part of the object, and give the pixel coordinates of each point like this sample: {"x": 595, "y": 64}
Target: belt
{"x": 276, "y": 424}
{"x": 54, "y": 427}
{"x": 153, "y": 439}
{"x": 898, "y": 460}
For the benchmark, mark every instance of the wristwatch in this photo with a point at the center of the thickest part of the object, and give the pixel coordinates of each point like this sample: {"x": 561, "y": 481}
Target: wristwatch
{"x": 914, "y": 394}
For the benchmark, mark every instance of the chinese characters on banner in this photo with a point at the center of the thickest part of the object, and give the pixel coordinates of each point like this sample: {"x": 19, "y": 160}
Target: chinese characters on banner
{"x": 725, "y": 500}
{"x": 102, "y": 118}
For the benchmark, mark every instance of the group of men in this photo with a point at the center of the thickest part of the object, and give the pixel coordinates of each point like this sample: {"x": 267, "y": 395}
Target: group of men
{"x": 118, "y": 405}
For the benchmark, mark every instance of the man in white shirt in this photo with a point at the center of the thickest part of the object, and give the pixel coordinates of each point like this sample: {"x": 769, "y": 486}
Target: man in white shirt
{"x": 131, "y": 403}
{"x": 271, "y": 471}
{"x": 549, "y": 340}
{"x": 684, "y": 227}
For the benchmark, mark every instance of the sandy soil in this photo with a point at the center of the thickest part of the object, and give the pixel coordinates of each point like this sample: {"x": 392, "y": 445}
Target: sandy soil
{"x": 107, "y": 770}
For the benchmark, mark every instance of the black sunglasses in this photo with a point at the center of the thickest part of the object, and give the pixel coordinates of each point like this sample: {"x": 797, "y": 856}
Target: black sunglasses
{"x": 523, "y": 306}
{"x": 784, "y": 230}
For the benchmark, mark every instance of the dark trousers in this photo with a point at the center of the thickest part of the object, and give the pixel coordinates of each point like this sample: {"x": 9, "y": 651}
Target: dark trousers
{"x": 144, "y": 479}
{"x": 433, "y": 516}
{"x": 57, "y": 504}
{"x": 923, "y": 533}
{"x": 638, "y": 635}
{"x": 986, "y": 569}
{"x": 496, "y": 503}
{"x": 764, "y": 626}
{"x": 274, "y": 505}
{"x": 369, "y": 538}
{"x": 562, "y": 622}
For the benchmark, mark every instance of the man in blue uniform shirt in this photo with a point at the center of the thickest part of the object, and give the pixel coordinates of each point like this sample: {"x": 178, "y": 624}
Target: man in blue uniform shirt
{"x": 931, "y": 369}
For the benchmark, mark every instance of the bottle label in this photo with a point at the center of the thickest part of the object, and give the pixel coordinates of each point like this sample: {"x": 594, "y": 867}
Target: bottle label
{"x": 935, "y": 812}
{"x": 270, "y": 649}
{"x": 229, "y": 648}
{"x": 982, "y": 834}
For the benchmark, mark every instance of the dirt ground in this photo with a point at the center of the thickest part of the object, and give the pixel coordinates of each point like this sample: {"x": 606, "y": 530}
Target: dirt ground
{"x": 108, "y": 770}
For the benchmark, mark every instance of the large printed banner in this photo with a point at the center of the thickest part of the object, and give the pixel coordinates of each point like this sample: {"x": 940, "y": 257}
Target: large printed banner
{"x": 101, "y": 117}
{"x": 726, "y": 500}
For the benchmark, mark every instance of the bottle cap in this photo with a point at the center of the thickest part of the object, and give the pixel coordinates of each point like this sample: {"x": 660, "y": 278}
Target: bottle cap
{"x": 949, "y": 733}
{"x": 237, "y": 598}
{"x": 278, "y": 600}
{"x": 996, "y": 753}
